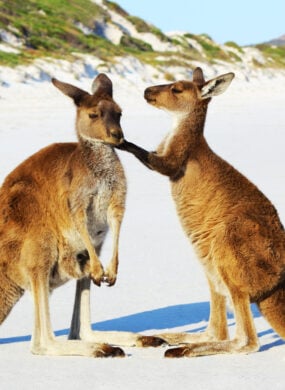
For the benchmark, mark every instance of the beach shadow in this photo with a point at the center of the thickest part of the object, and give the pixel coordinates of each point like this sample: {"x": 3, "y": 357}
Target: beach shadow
{"x": 169, "y": 317}
{"x": 273, "y": 343}
{"x": 164, "y": 318}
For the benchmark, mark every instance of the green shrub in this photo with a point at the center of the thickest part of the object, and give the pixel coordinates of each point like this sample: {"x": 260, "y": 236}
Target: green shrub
{"x": 191, "y": 36}
{"x": 143, "y": 27}
{"x": 169, "y": 76}
{"x": 48, "y": 28}
{"x": 276, "y": 53}
{"x": 9, "y": 59}
{"x": 115, "y": 7}
{"x": 234, "y": 45}
{"x": 211, "y": 50}
{"x": 135, "y": 44}
{"x": 140, "y": 24}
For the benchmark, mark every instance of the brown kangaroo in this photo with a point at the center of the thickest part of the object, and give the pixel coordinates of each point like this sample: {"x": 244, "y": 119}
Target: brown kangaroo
{"x": 234, "y": 228}
{"x": 56, "y": 208}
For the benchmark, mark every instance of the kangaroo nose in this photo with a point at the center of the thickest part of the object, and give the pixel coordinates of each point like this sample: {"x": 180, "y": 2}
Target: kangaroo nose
{"x": 148, "y": 95}
{"x": 147, "y": 92}
{"x": 118, "y": 135}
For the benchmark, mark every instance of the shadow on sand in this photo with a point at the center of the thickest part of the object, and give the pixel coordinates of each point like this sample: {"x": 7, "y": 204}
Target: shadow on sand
{"x": 160, "y": 319}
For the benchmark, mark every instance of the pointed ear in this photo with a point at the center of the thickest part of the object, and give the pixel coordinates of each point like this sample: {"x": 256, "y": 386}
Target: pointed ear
{"x": 216, "y": 86}
{"x": 198, "y": 76}
{"x": 70, "y": 90}
{"x": 102, "y": 84}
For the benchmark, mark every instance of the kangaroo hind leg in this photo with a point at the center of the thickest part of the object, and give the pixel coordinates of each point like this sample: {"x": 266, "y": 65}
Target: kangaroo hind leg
{"x": 81, "y": 324}
{"x": 245, "y": 339}
{"x": 38, "y": 267}
{"x": 44, "y": 341}
{"x": 217, "y": 328}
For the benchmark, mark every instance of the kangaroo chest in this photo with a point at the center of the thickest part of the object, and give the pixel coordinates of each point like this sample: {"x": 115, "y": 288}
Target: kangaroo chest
{"x": 198, "y": 211}
{"x": 97, "y": 205}
{"x": 94, "y": 198}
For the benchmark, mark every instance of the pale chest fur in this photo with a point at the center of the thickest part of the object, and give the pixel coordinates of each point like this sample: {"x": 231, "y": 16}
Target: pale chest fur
{"x": 98, "y": 193}
{"x": 95, "y": 203}
{"x": 97, "y": 210}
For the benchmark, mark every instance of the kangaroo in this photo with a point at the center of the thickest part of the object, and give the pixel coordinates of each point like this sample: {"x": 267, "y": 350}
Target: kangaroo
{"x": 56, "y": 208}
{"x": 234, "y": 228}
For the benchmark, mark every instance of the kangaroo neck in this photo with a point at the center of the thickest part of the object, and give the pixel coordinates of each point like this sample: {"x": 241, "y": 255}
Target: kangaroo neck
{"x": 182, "y": 144}
{"x": 96, "y": 155}
{"x": 193, "y": 120}
{"x": 189, "y": 128}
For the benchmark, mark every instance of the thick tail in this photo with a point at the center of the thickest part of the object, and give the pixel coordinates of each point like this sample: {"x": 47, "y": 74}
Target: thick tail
{"x": 273, "y": 309}
{"x": 10, "y": 293}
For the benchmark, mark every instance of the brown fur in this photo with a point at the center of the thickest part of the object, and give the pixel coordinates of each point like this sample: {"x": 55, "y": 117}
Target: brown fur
{"x": 234, "y": 228}
{"x": 56, "y": 208}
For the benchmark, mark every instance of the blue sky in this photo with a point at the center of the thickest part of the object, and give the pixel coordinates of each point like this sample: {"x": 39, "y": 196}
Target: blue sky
{"x": 243, "y": 21}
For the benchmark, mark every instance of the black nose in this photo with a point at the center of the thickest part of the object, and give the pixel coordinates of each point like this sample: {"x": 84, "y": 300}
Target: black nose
{"x": 147, "y": 93}
{"x": 117, "y": 135}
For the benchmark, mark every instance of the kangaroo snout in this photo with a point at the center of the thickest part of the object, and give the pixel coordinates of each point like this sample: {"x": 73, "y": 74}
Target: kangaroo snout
{"x": 117, "y": 135}
{"x": 149, "y": 95}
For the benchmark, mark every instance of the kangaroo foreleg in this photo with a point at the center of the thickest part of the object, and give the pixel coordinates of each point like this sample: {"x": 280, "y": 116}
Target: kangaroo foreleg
{"x": 96, "y": 268}
{"x": 168, "y": 163}
{"x": 115, "y": 215}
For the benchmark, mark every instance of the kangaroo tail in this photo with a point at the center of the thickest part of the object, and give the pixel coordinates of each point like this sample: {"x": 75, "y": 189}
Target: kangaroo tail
{"x": 273, "y": 309}
{"x": 10, "y": 293}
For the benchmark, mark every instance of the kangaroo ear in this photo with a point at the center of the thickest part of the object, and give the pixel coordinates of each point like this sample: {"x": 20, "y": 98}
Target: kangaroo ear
{"x": 198, "y": 76}
{"x": 102, "y": 84}
{"x": 216, "y": 86}
{"x": 73, "y": 92}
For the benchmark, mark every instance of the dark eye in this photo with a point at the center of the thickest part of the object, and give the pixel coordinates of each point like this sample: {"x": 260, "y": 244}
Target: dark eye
{"x": 176, "y": 90}
{"x": 93, "y": 116}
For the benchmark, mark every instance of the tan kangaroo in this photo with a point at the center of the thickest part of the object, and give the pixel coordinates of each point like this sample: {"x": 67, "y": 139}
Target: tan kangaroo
{"x": 234, "y": 228}
{"x": 56, "y": 208}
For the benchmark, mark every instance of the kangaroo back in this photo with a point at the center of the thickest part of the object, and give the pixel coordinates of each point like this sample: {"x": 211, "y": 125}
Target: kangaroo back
{"x": 234, "y": 228}
{"x": 55, "y": 210}
{"x": 56, "y": 206}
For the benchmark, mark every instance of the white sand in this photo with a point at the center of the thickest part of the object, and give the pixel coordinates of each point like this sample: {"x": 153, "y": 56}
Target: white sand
{"x": 160, "y": 280}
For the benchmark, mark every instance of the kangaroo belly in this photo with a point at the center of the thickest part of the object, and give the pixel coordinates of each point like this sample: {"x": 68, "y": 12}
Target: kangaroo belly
{"x": 247, "y": 244}
{"x": 97, "y": 215}
{"x": 193, "y": 210}
{"x": 206, "y": 237}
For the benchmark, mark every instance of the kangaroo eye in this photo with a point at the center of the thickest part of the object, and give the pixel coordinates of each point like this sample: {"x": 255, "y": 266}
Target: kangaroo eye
{"x": 176, "y": 90}
{"x": 93, "y": 116}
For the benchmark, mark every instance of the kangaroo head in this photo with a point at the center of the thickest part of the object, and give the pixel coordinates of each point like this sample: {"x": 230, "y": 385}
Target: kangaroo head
{"x": 182, "y": 96}
{"x": 98, "y": 115}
